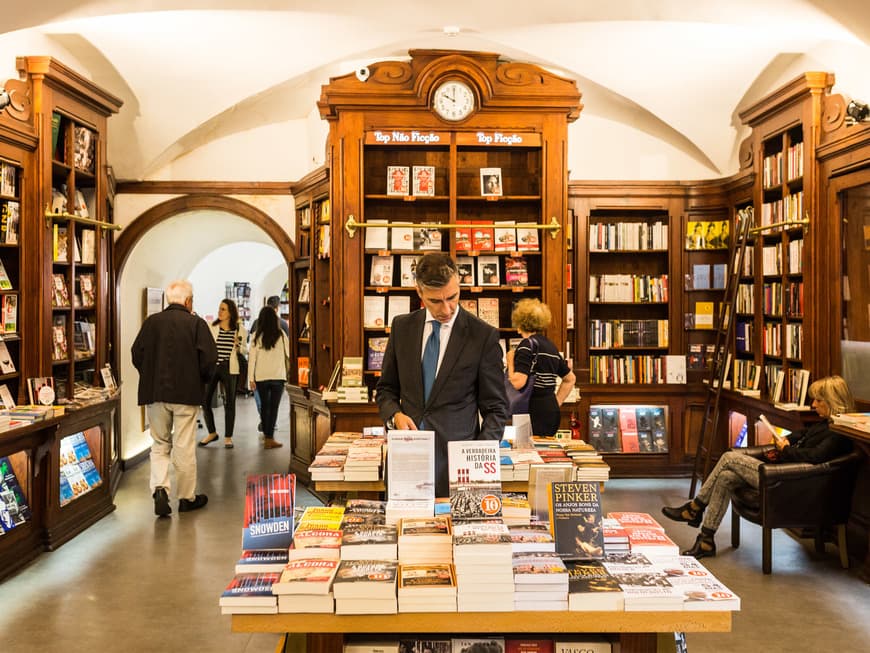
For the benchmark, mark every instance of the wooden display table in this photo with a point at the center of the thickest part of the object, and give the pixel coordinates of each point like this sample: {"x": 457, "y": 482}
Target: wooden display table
{"x": 378, "y": 486}
{"x": 637, "y": 630}
{"x": 858, "y": 526}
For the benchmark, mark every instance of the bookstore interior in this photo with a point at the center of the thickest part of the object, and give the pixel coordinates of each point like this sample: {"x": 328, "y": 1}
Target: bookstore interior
{"x": 695, "y": 316}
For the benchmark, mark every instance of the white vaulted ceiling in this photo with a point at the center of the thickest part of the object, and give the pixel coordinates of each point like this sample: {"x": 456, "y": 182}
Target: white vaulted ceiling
{"x": 666, "y": 77}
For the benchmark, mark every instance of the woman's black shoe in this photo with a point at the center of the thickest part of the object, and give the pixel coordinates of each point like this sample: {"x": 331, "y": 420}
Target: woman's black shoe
{"x": 684, "y": 513}
{"x": 702, "y": 548}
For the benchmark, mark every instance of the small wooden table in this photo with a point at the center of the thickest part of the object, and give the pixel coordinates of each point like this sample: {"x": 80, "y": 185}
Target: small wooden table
{"x": 637, "y": 630}
{"x": 859, "y": 519}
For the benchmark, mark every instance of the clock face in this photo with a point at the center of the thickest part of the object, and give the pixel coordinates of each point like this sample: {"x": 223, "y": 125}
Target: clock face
{"x": 453, "y": 100}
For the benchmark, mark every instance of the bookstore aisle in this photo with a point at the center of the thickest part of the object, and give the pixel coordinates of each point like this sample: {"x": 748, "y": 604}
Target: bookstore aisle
{"x": 132, "y": 582}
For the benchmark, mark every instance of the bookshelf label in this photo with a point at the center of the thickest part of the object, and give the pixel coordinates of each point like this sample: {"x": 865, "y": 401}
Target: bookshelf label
{"x": 412, "y": 137}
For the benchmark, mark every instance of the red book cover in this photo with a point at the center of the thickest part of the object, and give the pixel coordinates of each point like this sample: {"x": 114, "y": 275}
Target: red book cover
{"x": 647, "y": 536}
{"x": 630, "y": 519}
{"x": 482, "y": 237}
{"x": 628, "y": 430}
{"x": 463, "y": 238}
{"x": 528, "y": 646}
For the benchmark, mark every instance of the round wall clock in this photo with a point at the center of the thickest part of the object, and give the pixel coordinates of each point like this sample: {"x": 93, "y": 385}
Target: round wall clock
{"x": 453, "y": 100}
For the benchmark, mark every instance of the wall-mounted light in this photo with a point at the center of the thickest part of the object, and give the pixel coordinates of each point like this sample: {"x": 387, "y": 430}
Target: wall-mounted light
{"x": 5, "y": 100}
{"x": 858, "y": 111}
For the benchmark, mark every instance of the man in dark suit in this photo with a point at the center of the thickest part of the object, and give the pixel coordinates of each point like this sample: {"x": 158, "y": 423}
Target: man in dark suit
{"x": 463, "y": 398}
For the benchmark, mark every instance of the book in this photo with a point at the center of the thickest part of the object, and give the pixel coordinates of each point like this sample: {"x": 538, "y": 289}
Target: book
{"x": 527, "y": 237}
{"x": 465, "y": 270}
{"x": 488, "y": 270}
{"x": 474, "y": 477}
{"x": 588, "y": 644}
{"x": 374, "y": 311}
{"x": 60, "y": 290}
{"x": 89, "y": 246}
{"x": 250, "y": 590}
{"x": 9, "y": 313}
{"x": 424, "y": 180}
{"x": 704, "y": 312}
{"x": 779, "y": 434}
{"x": 628, "y": 430}
{"x": 513, "y": 645}
{"x": 6, "y": 397}
{"x": 381, "y": 271}
{"x": 397, "y": 305}
{"x": 352, "y": 371}
{"x": 469, "y": 305}
{"x": 575, "y": 519}
{"x": 541, "y": 475}
{"x": 407, "y": 271}
{"x": 516, "y": 271}
{"x": 462, "y": 237}
{"x": 269, "y": 502}
{"x": 700, "y": 276}
{"x": 377, "y": 238}
{"x": 87, "y": 290}
{"x": 591, "y": 587}
{"x": 490, "y": 182}
{"x": 306, "y": 576}
{"x": 402, "y": 238}
{"x": 478, "y": 644}
{"x": 369, "y": 542}
{"x": 505, "y": 236}
{"x": 262, "y": 561}
{"x": 10, "y": 219}
{"x": 427, "y": 238}
{"x": 8, "y": 179}
{"x": 488, "y": 310}
{"x": 482, "y": 235}
{"x": 375, "y": 353}
{"x": 14, "y": 509}
{"x": 84, "y": 148}
{"x": 59, "y": 345}
{"x": 40, "y": 390}
{"x": 397, "y": 181}
{"x": 366, "y": 579}
{"x": 5, "y": 282}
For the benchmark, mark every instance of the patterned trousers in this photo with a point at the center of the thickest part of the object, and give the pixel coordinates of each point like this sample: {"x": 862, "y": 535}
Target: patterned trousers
{"x": 734, "y": 470}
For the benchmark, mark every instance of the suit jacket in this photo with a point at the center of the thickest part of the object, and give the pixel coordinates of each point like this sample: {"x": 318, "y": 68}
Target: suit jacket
{"x": 469, "y": 381}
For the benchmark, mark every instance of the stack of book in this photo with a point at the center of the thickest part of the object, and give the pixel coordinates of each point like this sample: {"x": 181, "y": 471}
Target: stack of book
{"x": 515, "y": 509}
{"x": 366, "y": 587}
{"x": 250, "y": 593}
{"x": 645, "y": 534}
{"x": 615, "y": 536}
{"x": 482, "y": 554}
{"x": 532, "y": 538}
{"x": 364, "y": 511}
{"x": 364, "y": 459}
{"x": 591, "y": 587}
{"x": 645, "y": 586}
{"x": 327, "y": 467}
{"x": 426, "y": 540}
{"x": 369, "y": 541}
{"x": 305, "y": 585}
{"x": 352, "y": 394}
{"x": 540, "y": 581}
{"x": 318, "y": 534}
{"x": 427, "y": 587}
{"x": 700, "y": 589}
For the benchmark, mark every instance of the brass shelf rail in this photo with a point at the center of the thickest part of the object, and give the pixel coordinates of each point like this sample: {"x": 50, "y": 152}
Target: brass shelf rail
{"x": 351, "y": 225}
{"x": 50, "y": 215}
{"x": 779, "y": 225}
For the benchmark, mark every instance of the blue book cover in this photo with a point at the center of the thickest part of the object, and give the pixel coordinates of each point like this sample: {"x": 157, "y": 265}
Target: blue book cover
{"x": 719, "y": 272}
{"x": 252, "y": 584}
{"x": 90, "y": 472}
{"x": 65, "y": 491}
{"x": 80, "y": 446}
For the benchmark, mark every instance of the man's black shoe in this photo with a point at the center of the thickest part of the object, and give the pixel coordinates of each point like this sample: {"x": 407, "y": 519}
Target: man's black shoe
{"x": 161, "y": 503}
{"x": 186, "y": 505}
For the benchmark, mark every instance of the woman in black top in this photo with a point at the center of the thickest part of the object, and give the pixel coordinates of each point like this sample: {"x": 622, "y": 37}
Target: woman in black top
{"x": 537, "y": 354}
{"x": 816, "y": 444}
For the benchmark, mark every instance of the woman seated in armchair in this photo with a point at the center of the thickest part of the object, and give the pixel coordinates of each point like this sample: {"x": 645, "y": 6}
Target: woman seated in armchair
{"x": 816, "y": 444}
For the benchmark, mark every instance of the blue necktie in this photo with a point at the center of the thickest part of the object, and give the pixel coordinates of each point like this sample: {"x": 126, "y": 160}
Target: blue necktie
{"x": 430, "y": 358}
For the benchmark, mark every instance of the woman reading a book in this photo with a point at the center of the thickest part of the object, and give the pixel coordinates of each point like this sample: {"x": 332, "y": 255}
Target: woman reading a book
{"x": 267, "y": 370}
{"x": 230, "y": 337}
{"x": 816, "y": 444}
{"x": 536, "y": 354}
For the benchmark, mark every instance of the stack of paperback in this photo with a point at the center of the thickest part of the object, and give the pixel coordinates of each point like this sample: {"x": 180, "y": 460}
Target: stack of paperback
{"x": 369, "y": 541}
{"x": 700, "y": 589}
{"x": 366, "y": 587}
{"x": 318, "y": 534}
{"x": 266, "y": 536}
{"x": 364, "y": 511}
{"x": 615, "y": 536}
{"x": 482, "y": 555}
{"x": 515, "y": 509}
{"x": 364, "y": 459}
{"x": 532, "y": 537}
{"x": 591, "y": 587}
{"x": 427, "y": 587}
{"x": 645, "y": 534}
{"x": 305, "y": 585}
{"x": 540, "y": 581}
{"x": 327, "y": 467}
{"x": 645, "y": 586}
{"x": 575, "y": 519}
{"x": 426, "y": 540}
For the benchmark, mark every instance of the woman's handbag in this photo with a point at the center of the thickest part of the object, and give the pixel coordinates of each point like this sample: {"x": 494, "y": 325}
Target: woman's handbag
{"x": 518, "y": 400}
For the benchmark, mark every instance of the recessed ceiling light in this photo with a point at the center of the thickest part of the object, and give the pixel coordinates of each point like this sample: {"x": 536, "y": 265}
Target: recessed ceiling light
{"x": 451, "y": 30}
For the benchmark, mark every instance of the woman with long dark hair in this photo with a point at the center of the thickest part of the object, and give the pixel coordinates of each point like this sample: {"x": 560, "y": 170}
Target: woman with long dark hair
{"x": 267, "y": 370}
{"x": 230, "y": 337}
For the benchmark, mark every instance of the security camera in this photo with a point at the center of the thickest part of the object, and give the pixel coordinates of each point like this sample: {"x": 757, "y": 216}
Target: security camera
{"x": 5, "y": 100}
{"x": 362, "y": 74}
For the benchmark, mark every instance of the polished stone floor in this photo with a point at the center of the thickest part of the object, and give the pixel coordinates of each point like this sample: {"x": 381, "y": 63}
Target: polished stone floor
{"x": 135, "y": 583}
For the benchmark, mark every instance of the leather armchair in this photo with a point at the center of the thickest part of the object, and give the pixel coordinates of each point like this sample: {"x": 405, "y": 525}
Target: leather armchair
{"x": 797, "y": 495}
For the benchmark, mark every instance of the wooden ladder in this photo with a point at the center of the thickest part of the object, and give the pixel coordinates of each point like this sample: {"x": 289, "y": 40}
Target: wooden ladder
{"x": 721, "y": 360}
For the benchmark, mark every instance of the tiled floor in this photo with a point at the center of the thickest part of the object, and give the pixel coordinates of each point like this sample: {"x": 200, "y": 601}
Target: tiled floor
{"x": 132, "y": 582}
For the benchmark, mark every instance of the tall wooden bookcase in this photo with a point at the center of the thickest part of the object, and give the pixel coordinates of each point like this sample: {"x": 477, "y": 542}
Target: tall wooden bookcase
{"x": 518, "y": 126}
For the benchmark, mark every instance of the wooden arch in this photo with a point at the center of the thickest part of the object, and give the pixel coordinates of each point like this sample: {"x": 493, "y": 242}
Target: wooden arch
{"x": 170, "y": 208}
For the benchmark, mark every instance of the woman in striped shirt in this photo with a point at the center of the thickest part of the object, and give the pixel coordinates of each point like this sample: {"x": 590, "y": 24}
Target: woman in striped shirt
{"x": 230, "y": 337}
{"x": 537, "y": 354}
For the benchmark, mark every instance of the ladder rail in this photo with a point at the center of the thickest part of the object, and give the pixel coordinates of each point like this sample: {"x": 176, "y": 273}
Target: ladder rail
{"x": 719, "y": 367}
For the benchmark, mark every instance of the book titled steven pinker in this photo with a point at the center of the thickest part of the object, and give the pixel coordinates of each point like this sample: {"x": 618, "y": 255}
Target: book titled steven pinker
{"x": 269, "y": 500}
